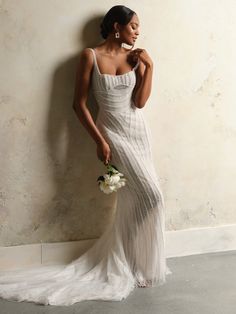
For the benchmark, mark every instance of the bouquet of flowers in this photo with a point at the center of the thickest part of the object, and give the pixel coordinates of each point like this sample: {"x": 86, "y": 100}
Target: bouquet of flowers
{"x": 112, "y": 180}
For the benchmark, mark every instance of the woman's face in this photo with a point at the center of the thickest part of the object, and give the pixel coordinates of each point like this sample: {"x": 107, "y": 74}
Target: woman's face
{"x": 130, "y": 32}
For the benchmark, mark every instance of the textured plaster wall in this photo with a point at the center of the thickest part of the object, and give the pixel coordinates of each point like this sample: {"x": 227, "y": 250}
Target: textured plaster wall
{"x": 49, "y": 166}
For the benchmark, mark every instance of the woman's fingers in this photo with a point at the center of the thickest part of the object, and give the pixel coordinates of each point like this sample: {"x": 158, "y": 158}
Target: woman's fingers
{"x": 104, "y": 153}
{"x": 107, "y": 160}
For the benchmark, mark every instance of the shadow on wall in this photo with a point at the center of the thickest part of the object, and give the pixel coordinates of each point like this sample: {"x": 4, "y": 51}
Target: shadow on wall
{"x": 75, "y": 210}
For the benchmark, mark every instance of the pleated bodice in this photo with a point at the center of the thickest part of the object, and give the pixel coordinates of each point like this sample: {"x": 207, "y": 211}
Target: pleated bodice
{"x": 113, "y": 92}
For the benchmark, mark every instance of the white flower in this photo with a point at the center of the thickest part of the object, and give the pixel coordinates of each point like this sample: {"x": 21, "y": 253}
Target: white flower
{"x": 106, "y": 188}
{"x": 111, "y": 181}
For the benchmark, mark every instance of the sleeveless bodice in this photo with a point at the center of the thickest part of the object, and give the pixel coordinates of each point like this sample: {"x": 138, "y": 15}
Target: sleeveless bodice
{"x": 113, "y": 92}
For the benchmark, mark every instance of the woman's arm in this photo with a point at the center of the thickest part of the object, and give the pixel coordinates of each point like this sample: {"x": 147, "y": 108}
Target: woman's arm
{"x": 143, "y": 85}
{"x": 83, "y": 78}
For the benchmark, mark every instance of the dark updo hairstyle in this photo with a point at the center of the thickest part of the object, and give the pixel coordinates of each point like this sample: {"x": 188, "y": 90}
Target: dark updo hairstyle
{"x": 118, "y": 13}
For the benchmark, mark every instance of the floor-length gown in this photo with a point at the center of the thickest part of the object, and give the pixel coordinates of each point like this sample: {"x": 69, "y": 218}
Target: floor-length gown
{"x": 132, "y": 248}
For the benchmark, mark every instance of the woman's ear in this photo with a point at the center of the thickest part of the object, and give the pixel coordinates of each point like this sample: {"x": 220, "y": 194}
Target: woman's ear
{"x": 116, "y": 27}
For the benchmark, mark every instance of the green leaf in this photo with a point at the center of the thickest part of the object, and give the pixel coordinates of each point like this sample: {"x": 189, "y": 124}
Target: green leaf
{"x": 100, "y": 178}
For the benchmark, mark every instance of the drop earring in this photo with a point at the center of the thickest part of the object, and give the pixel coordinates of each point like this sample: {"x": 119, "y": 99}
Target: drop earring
{"x": 117, "y": 35}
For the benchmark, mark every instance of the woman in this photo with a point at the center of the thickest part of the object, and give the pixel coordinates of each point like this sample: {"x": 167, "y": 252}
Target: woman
{"x": 130, "y": 253}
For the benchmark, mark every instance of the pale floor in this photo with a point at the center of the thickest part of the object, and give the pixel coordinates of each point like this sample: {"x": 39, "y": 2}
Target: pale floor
{"x": 200, "y": 284}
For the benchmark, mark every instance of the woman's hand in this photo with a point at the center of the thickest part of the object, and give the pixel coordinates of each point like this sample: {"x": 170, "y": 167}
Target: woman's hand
{"x": 104, "y": 152}
{"x": 142, "y": 55}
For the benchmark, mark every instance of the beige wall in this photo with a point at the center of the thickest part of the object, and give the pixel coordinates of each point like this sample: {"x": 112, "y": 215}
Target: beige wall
{"x": 49, "y": 166}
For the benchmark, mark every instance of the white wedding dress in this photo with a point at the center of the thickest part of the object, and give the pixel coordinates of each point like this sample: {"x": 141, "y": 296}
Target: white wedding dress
{"x": 131, "y": 251}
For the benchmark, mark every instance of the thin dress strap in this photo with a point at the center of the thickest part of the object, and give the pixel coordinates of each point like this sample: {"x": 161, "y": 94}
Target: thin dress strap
{"x": 95, "y": 59}
{"x": 136, "y": 65}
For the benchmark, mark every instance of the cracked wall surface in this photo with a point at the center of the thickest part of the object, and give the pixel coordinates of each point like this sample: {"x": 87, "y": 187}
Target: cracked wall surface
{"x": 49, "y": 167}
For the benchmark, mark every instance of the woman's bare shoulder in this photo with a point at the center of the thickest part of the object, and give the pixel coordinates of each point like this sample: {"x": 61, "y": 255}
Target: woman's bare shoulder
{"x": 130, "y": 58}
{"x": 86, "y": 51}
{"x": 85, "y": 60}
{"x": 86, "y": 55}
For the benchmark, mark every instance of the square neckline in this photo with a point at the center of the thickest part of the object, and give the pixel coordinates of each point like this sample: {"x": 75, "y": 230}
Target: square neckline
{"x": 107, "y": 74}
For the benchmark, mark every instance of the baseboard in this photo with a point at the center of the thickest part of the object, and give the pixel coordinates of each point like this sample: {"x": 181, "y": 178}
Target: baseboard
{"x": 178, "y": 243}
{"x": 201, "y": 240}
